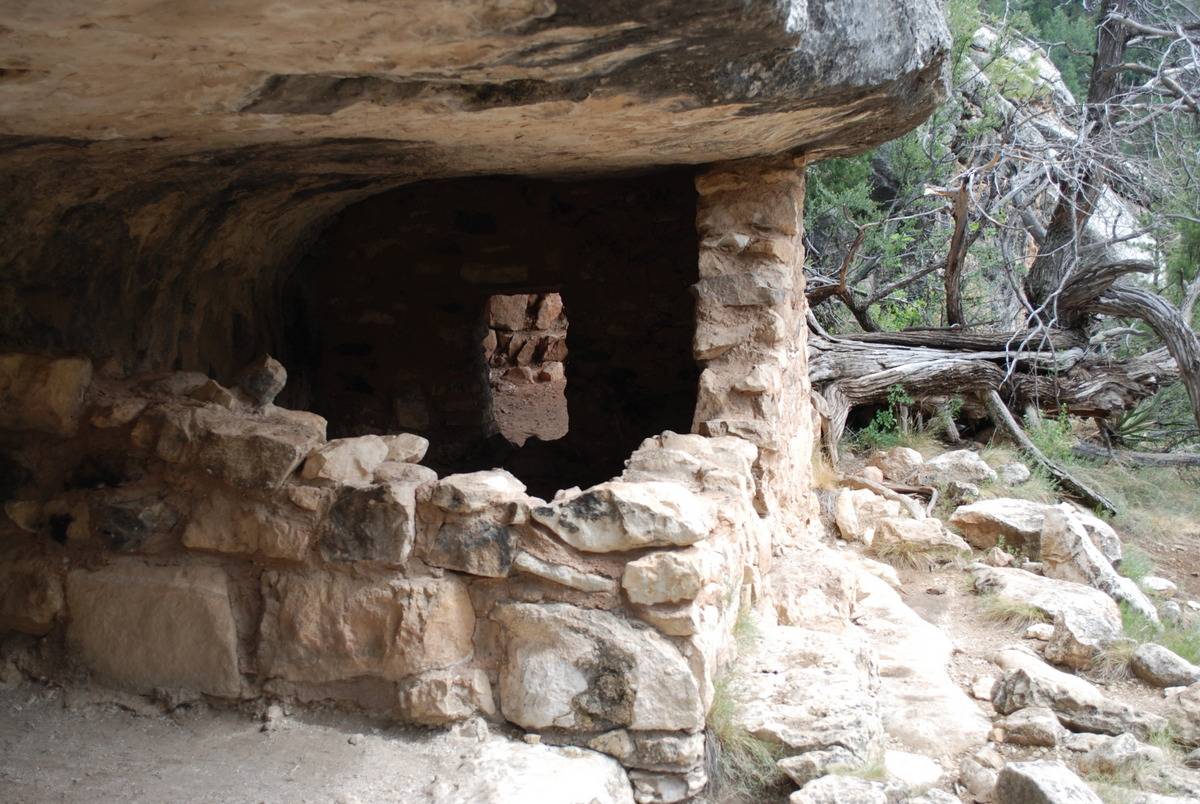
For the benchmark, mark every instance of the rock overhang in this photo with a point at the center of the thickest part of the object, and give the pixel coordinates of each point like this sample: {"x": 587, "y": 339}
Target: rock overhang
{"x": 532, "y": 86}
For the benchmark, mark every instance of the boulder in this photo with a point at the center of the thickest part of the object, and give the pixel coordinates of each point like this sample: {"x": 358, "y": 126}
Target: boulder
{"x": 961, "y": 465}
{"x": 898, "y": 463}
{"x": 811, "y": 691}
{"x": 1018, "y": 522}
{"x": 1042, "y": 632}
{"x": 670, "y": 576}
{"x": 1068, "y": 554}
{"x": 319, "y": 627}
{"x": 262, "y": 380}
{"x": 873, "y": 474}
{"x": 1160, "y": 667}
{"x": 803, "y": 768}
{"x": 43, "y": 393}
{"x": 815, "y": 589}
{"x": 1119, "y": 755}
{"x": 914, "y": 771}
{"x": 437, "y": 697}
{"x": 371, "y": 523}
{"x": 1078, "y": 704}
{"x": 1013, "y": 474}
{"x": 960, "y": 493}
{"x": 620, "y": 515}
{"x": 227, "y": 522}
{"x": 857, "y": 513}
{"x": 31, "y": 595}
{"x": 916, "y": 541}
{"x": 1034, "y": 725}
{"x": 978, "y": 779}
{"x": 1090, "y": 615}
{"x": 666, "y": 788}
{"x": 1159, "y": 586}
{"x": 405, "y": 447}
{"x": 836, "y": 789}
{"x": 1183, "y": 712}
{"x": 1077, "y": 639}
{"x": 142, "y": 627}
{"x": 349, "y": 461}
{"x": 1041, "y": 783}
{"x": 584, "y": 670}
{"x": 1100, "y": 532}
{"x": 258, "y": 451}
{"x": 502, "y": 771}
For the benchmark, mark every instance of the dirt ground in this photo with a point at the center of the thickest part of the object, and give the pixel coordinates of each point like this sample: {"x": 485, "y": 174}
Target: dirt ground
{"x": 78, "y": 747}
{"x": 531, "y": 409}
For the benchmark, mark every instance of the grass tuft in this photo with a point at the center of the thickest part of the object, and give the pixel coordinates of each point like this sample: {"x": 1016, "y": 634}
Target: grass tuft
{"x": 1113, "y": 661}
{"x": 1136, "y": 564}
{"x": 873, "y": 771}
{"x": 741, "y": 767}
{"x": 1005, "y": 610}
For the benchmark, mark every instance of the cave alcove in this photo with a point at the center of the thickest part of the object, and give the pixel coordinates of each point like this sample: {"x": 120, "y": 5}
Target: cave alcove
{"x": 386, "y": 316}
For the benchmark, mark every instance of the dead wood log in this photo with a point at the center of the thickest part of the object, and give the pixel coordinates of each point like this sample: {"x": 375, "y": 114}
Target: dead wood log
{"x": 1066, "y": 481}
{"x": 1161, "y": 459}
{"x": 910, "y": 505}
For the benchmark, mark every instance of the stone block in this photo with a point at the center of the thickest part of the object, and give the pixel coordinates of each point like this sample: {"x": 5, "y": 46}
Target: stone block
{"x": 508, "y": 312}
{"x": 142, "y": 627}
{"x": 445, "y": 696}
{"x": 473, "y": 492}
{"x": 43, "y": 393}
{"x": 670, "y": 576}
{"x": 584, "y": 670}
{"x": 259, "y": 451}
{"x": 373, "y": 523}
{"x": 350, "y": 461}
{"x": 476, "y": 544}
{"x": 319, "y": 627}
{"x": 226, "y": 522}
{"x": 619, "y": 515}
{"x": 406, "y": 447}
{"x": 31, "y": 596}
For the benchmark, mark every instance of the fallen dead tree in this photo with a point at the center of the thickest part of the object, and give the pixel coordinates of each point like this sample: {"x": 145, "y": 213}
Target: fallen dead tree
{"x": 1161, "y": 459}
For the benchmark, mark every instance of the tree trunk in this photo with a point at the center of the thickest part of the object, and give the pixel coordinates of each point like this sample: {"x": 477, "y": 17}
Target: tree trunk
{"x": 1168, "y": 323}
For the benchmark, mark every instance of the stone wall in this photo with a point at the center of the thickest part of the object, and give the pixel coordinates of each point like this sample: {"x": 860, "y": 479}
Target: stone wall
{"x": 166, "y": 534}
{"x": 526, "y": 340}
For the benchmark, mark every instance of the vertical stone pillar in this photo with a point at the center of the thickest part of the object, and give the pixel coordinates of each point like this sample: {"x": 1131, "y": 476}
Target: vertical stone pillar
{"x": 751, "y": 332}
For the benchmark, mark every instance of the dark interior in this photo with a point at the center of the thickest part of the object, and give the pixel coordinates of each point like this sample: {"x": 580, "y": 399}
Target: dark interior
{"x": 386, "y": 316}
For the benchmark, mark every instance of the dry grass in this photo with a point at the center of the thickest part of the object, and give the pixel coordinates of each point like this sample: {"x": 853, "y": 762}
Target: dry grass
{"x": 741, "y": 767}
{"x": 824, "y": 475}
{"x": 873, "y": 771}
{"x": 1112, "y": 663}
{"x": 1152, "y": 501}
{"x": 1006, "y": 611}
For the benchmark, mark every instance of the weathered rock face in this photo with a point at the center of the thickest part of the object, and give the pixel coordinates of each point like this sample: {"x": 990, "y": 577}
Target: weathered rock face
{"x": 291, "y": 127}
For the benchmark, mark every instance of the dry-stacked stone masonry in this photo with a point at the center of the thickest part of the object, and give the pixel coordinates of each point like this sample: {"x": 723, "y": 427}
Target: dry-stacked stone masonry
{"x": 346, "y": 190}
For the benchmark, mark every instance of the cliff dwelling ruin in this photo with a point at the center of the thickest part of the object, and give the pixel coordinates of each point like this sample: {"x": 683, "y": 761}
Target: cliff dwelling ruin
{"x": 265, "y": 312}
